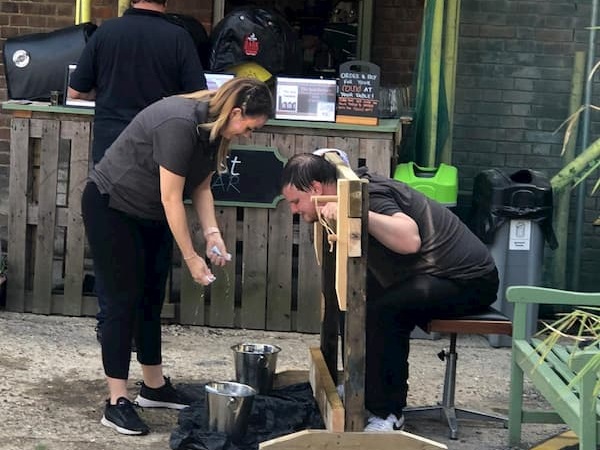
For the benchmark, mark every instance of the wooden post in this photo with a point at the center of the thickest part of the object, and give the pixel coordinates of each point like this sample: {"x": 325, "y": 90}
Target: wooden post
{"x": 349, "y": 278}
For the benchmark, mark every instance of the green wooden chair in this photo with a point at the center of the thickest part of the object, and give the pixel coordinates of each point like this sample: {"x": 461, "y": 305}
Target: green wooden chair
{"x": 573, "y": 403}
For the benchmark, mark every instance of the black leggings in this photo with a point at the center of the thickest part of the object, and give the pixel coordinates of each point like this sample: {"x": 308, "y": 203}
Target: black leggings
{"x": 393, "y": 313}
{"x": 132, "y": 256}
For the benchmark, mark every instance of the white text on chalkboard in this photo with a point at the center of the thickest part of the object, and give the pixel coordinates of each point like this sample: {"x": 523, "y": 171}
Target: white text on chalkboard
{"x": 229, "y": 180}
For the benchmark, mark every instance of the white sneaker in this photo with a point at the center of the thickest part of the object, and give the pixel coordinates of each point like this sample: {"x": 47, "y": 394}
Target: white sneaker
{"x": 391, "y": 423}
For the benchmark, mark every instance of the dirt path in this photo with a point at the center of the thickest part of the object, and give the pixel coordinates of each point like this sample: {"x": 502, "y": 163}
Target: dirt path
{"x": 52, "y": 386}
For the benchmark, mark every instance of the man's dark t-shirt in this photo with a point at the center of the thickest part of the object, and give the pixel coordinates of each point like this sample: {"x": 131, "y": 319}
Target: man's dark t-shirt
{"x": 448, "y": 248}
{"x": 133, "y": 61}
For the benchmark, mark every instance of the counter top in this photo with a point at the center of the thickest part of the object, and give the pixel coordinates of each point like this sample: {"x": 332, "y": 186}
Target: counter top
{"x": 384, "y": 126}
{"x": 27, "y": 105}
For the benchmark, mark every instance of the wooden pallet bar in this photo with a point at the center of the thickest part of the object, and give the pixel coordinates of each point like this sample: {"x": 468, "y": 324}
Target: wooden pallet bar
{"x": 273, "y": 282}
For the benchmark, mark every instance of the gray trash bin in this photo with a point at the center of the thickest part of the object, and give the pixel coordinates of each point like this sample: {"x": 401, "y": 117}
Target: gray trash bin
{"x": 512, "y": 215}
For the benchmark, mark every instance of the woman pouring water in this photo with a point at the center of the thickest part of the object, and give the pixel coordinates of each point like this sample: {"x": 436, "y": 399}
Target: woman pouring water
{"x": 132, "y": 209}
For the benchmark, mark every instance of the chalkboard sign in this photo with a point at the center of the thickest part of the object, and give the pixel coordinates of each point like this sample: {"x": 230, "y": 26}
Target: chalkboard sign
{"x": 252, "y": 178}
{"x": 358, "y": 93}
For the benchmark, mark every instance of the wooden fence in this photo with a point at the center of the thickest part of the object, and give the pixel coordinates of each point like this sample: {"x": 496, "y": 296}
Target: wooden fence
{"x": 273, "y": 282}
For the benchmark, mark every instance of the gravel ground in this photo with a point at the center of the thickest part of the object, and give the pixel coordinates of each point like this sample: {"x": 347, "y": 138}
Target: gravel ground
{"x": 52, "y": 387}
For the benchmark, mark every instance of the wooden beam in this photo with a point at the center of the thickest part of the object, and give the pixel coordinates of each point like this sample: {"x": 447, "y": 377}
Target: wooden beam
{"x": 325, "y": 393}
{"x": 348, "y": 231}
{"x": 325, "y": 440}
{"x": 330, "y": 320}
{"x": 344, "y": 171}
{"x": 354, "y": 328}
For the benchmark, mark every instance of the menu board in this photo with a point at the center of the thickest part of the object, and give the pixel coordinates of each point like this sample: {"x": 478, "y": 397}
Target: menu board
{"x": 358, "y": 93}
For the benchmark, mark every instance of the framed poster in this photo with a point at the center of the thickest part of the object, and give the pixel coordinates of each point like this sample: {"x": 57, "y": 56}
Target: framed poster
{"x": 305, "y": 99}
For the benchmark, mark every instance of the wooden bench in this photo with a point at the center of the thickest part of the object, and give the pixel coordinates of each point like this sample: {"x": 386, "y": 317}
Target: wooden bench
{"x": 487, "y": 322}
{"x": 555, "y": 376}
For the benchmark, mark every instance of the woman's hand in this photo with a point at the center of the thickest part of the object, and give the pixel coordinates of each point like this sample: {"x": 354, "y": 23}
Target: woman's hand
{"x": 199, "y": 271}
{"x": 216, "y": 250}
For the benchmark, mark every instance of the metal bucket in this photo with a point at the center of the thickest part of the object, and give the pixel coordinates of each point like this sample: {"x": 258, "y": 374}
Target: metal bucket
{"x": 255, "y": 365}
{"x": 228, "y": 407}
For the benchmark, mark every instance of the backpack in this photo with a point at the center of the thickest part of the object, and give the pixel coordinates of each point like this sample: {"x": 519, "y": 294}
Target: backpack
{"x": 258, "y": 35}
{"x": 197, "y": 32}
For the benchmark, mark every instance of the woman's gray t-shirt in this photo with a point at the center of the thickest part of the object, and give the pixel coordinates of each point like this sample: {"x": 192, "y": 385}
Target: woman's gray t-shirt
{"x": 165, "y": 134}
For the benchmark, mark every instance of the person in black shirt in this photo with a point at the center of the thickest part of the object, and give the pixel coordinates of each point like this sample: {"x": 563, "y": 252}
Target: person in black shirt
{"x": 129, "y": 63}
{"x": 422, "y": 263}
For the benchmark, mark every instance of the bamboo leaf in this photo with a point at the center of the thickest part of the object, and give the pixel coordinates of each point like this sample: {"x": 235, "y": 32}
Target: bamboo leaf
{"x": 578, "y": 326}
{"x": 591, "y": 75}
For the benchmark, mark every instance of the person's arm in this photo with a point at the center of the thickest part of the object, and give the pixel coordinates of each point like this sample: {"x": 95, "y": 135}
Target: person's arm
{"x": 72, "y": 93}
{"x": 204, "y": 206}
{"x": 398, "y": 232}
{"x": 171, "y": 192}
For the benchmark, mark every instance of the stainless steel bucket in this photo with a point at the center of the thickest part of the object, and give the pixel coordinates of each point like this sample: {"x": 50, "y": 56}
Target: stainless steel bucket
{"x": 228, "y": 407}
{"x": 255, "y": 365}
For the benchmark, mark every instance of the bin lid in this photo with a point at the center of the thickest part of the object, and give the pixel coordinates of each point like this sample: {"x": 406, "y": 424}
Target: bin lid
{"x": 525, "y": 188}
{"x": 498, "y": 197}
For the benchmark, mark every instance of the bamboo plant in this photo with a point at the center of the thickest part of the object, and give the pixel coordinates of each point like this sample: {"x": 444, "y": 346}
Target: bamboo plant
{"x": 587, "y": 162}
{"x": 579, "y": 329}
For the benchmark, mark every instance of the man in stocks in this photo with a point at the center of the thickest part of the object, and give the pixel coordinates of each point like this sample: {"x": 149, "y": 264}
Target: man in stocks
{"x": 422, "y": 263}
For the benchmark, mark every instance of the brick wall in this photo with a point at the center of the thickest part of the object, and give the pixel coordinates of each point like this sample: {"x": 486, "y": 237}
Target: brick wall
{"x": 513, "y": 87}
{"x": 396, "y": 26}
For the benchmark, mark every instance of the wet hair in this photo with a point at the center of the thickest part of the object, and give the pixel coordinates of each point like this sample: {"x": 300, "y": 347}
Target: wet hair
{"x": 302, "y": 169}
{"x": 251, "y": 95}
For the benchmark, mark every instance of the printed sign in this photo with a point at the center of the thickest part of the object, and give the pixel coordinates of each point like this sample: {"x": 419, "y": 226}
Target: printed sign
{"x": 520, "y": 235}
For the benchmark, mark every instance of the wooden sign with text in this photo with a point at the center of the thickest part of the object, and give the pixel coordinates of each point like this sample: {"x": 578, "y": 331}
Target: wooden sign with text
{"x": 358, "y": 93}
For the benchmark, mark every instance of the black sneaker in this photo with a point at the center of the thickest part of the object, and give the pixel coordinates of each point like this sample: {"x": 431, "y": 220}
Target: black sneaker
{"x": 165, "y": 396}
{"x": 123, "y": 418}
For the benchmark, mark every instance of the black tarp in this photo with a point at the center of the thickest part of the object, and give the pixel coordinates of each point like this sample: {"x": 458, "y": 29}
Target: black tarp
{"x": 284, "y": 411}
